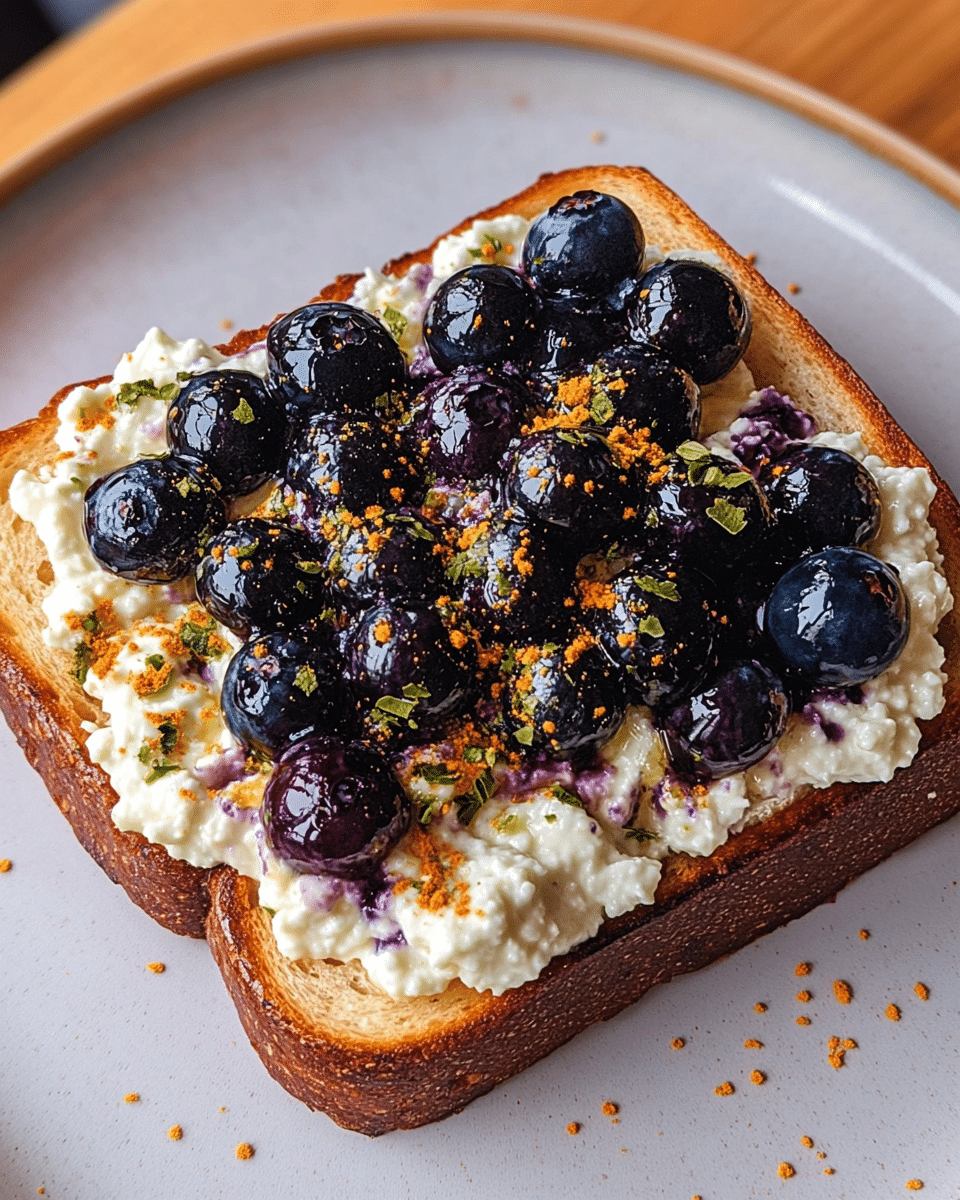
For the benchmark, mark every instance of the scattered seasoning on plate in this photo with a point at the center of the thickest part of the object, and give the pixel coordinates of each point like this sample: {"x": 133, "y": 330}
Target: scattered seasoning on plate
{"x": 793, "y": 288}
{"x": 804, "y": 997}
{"x": 131, "y": 1098}
{"x": 752, "y": 1044}
{"x": 609, "y": 1109}
{"x": 786, "y": 1171}
{"x": 802, "y": 969}
{"x": 157, "y": 968}
{"x": 837, "y": 1049}
{"x": 677, "y": 1044}
{"x": 573, "y": 1128}
{"x": 598, "y": 136}
{"x": 175, "y": 1133}
{"x": 725, "y": 1089}
{"x": 757, "y": 1077}
{"x": 820, "y": 1154}
{"x": 803, "y": 1020}
{"x": 913, "y": 1185}
{"x": 5, "y": 865}
{"x": 759, "y": 1007}
{"x": 829, "y": 1171}
{"x": 226, "y": 323}
{"x": 244, "y": 1150}
{"x": 807, "y": 1141}
{"x": 922, "y": 991}
{"x": 892, "y": 1013}
{"x": 843, "y": 991}
{"x": 864, "y": 934}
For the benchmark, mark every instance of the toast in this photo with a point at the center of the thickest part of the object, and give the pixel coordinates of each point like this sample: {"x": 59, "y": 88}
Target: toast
{"x": 323, "y": 1030}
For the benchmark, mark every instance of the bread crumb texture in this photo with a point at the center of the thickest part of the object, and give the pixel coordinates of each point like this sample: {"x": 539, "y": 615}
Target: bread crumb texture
{"x": 843, "y": 991}
{"x": 892, "y": 1013}
{"x": 914, "y": 1185}
{"x": 244, "y": 1150}
{"x": 678, "y": 1044}
{"x": 175, "y": 1133}
{"x": 157, "y": 968}
{"x": 131, "y": 1098}
{"x": 609, "y": 1109}
{"x": 786, "y": 1171}
{"x": 725, "y": 1089}
{"x": 802, "y": 969}
{"x": 922, "y": 991}
{"x": 5, "y": 865}
{"x": 757, "y": 1077}
{"x": 573, "y": 1128}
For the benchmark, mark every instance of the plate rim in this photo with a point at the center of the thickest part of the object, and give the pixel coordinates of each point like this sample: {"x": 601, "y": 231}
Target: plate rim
{"x": 468, "y": 25}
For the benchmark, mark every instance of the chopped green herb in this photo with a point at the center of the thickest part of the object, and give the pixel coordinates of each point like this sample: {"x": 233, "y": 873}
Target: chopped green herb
{"x": 271, "y": 912}
{"x": 470, "y": 804}
{"x": 196, "y": 639}
{"x": 413, "y": 691}
{"x": 161, "y": 769}
{"x": 490, "y": 241}
{"x": 395, "y": 321}
{"x": 550, "y": 817}
{"x": 729, "y": 516}
{"x": 309, "y": 568}
{"x": 185, "y": 485}
{"x": 640, "y": 835}
{"x": 183, "y": 376}
{"x": 651, "y": 626}
{"x": 666, "y": 589}
{"x": 243, "y": 413}
{"x": 417, "y": 528}
{"x": 247, "y": 551}
{"x": 524, "y": 735}
{"x": 736, "y": 479}
{"x": 154, "y": 660}
{"x": 169, "y": 736}
{"x": 395, "y": 707}
{"x": 79, "y": 482}
{"x": 464, "y": 564}
{"x": 306, "y": 680}
{"x": 601, "y": 408}
{"x": 429, "y": 809}
{"x": 130, "y": 393}
{"x": 91, "y": 623}
{"x": 82, "y": 655}
{"x": 559, "y": 792}
{"x": 436, "y": 773}
{"x": 692, "y": 452}
{"x": 507, "y": 823}
{"x": 653, "y": 519}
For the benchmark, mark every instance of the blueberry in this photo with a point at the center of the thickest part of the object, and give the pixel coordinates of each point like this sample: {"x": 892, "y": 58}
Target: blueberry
{"x": 482, "y": 316}
{"x": 332, "y": 358}
{"x": 569, "y": 482}
{"x": 390, "y": 555}
{"x": 334, "y": 808}
{"x": 585, "y": 245}
{"x": 728, "y": 724}
{"x": 354, "y": 464}
{"x": 261, "y": 575}
{"x": 408, "y": 671}
{"x": 562, "y": 698}
{"x": 283, "y": 687}
{"x": 570, "y": 338}
{"x": 468, "y": 420}
{"x": 654, "y": 623}
{"x": 694, "y": 315}
{"x": 705, "y": 510}
{"x": 839, "y": 617}
{"x": 642, "y": 390}
{"x": 229, "y": 422}
{"x": 146, "y": 522}
{"x": 821, "y": 497}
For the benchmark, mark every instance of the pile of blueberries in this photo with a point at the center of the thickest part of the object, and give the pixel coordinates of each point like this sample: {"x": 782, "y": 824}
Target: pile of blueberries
{"x": 522, "y": 531}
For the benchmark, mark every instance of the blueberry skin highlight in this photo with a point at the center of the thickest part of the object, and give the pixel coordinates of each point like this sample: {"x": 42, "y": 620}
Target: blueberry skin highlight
{"x": 838, "y": 617}
{"x": 483, "y": 316}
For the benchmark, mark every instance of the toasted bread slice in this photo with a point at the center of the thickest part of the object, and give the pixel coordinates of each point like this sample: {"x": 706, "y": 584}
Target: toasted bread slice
{"x": 324, "y": 1031}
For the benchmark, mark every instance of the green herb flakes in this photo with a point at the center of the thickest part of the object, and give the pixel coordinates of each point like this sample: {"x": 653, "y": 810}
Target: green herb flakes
{"x": 243, "y": 413}
{"x": 640, "y": 835}
{"x": 559, "y": 792}
{"x": 82, "y": 656}
{"x": 395, "y": 321}
{"x": 601, "y": 408}
{"x": 130, "y": 393}
{"x": 666, "y": 589}
{"x": 728, "y": 516}
{"x": 550, "y": 818}
{"x": 185, "y": 485}
{"x": 692, "y": 452}
{"x": 393, "y": 706}
{"x": 161, "y": 769}
{"x": 651, "y": 626}
{"x": 309, "y": 568}
{"x": 154, "y": 660}
{"x": 464, "y": 564}
{"x": 436, "y": 773}
{"x": 306, "y": 680}
{"x": 507, "y": 823}
{"x": 524, "y": 735}
{"x": 470, "y": 804}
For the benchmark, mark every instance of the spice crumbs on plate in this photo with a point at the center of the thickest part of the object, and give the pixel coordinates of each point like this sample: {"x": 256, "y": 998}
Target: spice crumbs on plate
{"x": 573, "y": 1128}
{"x": 807, "y": 1141}
{"x": 803, "y": 1020}
{"x": 804, "y": 997}
{"x": 843, "y": 991}
{"x": 757, "y": 1077}
{"x": 802, "y": 969}
{"x": 598, "y": 136}
{"x": 678, "y": 1044}
{"x": 913, "y": 1185}
{"x": 175, "y": 1133}
{"x": 820, "y": 1154}
{"x": 793, "y": 288}
{"x": 609, "y": 1109}
{"x": 5, "y": 865}
{"x": 922, "y": 991}
{"x": 752, "y": 1044}
{"x": 786, "y": 1171}
{"x": 760, "y": 1007}
{"x": 892, "y": 1013}
{"x": 864, "y": 934}
{"x": 829, "y": 1171}
{"x": 157, "y": 968}
{"x": 725, "y": 1089}
{"x": 837, "y": 1049}
{"x": 131, "y": 1098}
{"x": 244, "y": 1150}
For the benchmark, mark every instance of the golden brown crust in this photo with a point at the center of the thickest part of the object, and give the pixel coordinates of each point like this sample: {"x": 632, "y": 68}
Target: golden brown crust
{"x": 323, "y": 1030}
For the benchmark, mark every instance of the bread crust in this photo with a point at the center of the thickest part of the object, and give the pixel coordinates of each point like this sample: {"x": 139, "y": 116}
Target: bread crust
{"x": 323, "y": 1030}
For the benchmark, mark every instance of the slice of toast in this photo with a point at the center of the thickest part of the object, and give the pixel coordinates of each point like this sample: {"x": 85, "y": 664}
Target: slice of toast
{"x": 324, "y": 1031}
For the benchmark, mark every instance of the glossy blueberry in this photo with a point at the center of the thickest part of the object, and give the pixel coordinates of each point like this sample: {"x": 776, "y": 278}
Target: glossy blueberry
{"x": 390, "y": 555}
{"x": 694, "y": 315}
{"x": 510, "y": 580}
{"x": 821, "y": 497}
{"x": 568, "y": 482}
{"x": 562, "y": 698}
{"x": 285, "y": 686}
{"x": 706, "y": 511}
{"x": 839, "y": 617}
{"x": 229, "y": 422}
{"x": 258, "y": 575}
{"x": 654, "y": 623}
{"x": 408, "y": 671}
{"x": 353, "y": 464}
{"x": 729, "y": 723}
{"x": 334, "y": 808}
{"x": 332, "y": 358}
{"x": 482, "y": 316}
{"x": 585, "y": 245}
{"x": 571, "y": 336}
{"x": 468, "y": 420}
{"x": 634, "y": 387}
{"x": 146, "y": 522}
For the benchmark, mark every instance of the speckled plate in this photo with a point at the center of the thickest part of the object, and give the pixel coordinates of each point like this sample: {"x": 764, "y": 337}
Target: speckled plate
{"x": 238, "y": 201}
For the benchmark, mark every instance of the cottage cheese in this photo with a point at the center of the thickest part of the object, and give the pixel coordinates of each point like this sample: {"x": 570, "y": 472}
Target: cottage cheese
{"x": 531, "y": 876}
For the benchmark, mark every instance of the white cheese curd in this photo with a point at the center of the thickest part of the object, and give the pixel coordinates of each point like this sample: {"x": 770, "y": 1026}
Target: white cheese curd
{"x": 531, "y": 876}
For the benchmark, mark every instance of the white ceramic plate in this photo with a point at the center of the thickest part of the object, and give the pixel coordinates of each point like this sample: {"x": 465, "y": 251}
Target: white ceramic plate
{"x": 239, "y": 201}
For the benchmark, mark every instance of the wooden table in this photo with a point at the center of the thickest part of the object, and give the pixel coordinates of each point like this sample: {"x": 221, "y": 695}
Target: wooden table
{"x": 899, "y": 64}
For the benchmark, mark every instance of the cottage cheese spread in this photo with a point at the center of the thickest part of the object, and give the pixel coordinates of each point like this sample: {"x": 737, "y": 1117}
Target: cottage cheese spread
{"x": 532, "y": 875}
